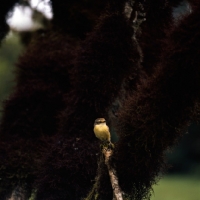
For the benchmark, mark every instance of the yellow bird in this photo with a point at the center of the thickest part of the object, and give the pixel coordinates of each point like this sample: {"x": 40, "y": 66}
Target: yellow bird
{"x": 101, "y": 130}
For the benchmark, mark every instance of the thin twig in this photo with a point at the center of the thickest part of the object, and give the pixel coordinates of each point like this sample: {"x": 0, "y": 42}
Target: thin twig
{"x": 117, "y": 193}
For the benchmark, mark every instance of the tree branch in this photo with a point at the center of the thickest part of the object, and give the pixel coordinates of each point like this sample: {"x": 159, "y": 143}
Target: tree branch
{"x": 117, "y": 193}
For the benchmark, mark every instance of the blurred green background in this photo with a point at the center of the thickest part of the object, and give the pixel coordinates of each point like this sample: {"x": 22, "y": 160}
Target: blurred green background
{"x": 182, "y": 181}
{"x": 177, "y": 187}
{"x": 9, "y": 51}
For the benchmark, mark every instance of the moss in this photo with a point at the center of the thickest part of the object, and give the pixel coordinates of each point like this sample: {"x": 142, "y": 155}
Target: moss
{"x": 107, "y": 50}
{"x": 30, "y": 113}
{"x": 153, "y": 119}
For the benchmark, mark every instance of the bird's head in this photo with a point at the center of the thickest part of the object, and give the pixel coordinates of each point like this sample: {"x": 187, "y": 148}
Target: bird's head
{"x": 99, "y": 121}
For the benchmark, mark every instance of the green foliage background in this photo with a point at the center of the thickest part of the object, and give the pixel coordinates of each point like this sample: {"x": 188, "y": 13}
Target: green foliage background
{"x": 9, "y": 52}
{"x": 177, "y": 188}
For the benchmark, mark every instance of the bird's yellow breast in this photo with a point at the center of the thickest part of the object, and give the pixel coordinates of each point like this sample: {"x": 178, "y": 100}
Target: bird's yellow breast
{"x": 102, "y": 132}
